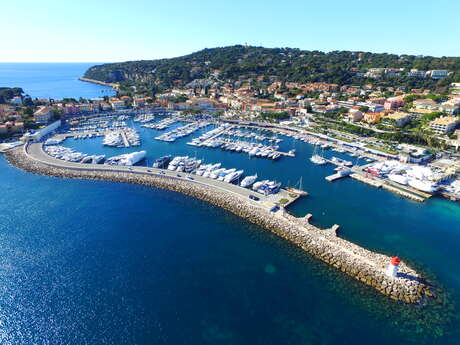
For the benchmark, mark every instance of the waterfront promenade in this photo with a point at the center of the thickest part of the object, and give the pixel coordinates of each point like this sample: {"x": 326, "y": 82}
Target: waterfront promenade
{"x": 359, "y": 263}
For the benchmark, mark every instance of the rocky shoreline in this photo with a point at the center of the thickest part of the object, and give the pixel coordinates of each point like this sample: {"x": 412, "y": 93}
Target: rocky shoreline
{"x": 93, "y": 81}
{"x": 357, "y": 262}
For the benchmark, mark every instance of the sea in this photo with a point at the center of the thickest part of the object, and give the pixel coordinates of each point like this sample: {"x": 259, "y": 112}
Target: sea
{"x": 95, "y": 262}
{"x": 51, "y": 80}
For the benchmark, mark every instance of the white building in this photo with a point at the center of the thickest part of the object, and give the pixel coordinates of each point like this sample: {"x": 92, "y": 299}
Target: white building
{"x": 445, "y": 124}
{"x": 438, "y": 73}
{"x": 39, "y": 134}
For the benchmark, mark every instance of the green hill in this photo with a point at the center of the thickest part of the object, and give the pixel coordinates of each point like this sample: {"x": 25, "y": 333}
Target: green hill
{"x": 239, "y": 62}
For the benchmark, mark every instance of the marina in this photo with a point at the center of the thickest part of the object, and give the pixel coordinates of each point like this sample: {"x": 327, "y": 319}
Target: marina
{"x": 353, "y": 260}
{"x": 121, "y": 131}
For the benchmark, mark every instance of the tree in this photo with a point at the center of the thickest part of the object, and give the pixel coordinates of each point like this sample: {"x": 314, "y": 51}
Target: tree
{"x": 27, "y": 101}
{"x": 342, "y": 110}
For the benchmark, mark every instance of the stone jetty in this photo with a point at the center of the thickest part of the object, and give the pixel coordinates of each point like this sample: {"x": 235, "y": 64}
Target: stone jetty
{"x": 357, "y": 262}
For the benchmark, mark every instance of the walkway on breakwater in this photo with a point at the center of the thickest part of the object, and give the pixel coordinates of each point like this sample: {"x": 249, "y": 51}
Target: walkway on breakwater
{"x": 268, "y": 201}
{"x": 359, "y": 263}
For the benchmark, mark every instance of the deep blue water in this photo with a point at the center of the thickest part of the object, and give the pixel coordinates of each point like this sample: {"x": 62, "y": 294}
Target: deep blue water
{"x": 51, "y": 80}
{"x": 87, "y": 262}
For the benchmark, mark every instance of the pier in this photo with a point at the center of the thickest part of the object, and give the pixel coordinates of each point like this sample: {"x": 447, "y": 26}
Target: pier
{"x": 227, "y": 131}
{"x": 125, "y": 140}
{"x": 334, "y": 177}
{"x": 366, "y": 266}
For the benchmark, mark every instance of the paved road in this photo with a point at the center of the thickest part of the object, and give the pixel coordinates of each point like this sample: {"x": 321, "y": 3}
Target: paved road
{"x": 36, "y": 152}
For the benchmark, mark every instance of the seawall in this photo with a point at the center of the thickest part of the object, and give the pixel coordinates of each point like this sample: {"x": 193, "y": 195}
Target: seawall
{"x": 94, "y": 81}
{"x": 357, "y": 262}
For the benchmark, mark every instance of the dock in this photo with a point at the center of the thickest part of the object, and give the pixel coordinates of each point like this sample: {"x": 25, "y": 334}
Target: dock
{"x": 405, "y": 191}
{"x": 125, "y": 140}
{"x": 369, "y": 181}
{"x": 226, "y": 132}
{"x": 334, "y": 177}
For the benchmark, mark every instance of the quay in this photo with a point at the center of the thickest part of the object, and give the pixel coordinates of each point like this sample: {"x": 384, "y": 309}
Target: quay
{"x": 358, "y": 173}
{"x": 337, "y": 176}
{"x": 366, "y": 266}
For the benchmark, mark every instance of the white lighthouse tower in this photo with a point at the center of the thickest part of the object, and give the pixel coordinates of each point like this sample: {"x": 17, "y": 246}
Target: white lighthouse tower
{"x": 392, "y": 269}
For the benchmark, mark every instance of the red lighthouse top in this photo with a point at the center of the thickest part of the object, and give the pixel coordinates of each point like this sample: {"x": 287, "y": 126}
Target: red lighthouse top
{"x": 395, "y": 261}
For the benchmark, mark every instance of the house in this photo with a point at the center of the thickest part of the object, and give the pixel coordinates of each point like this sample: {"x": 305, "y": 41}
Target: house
{"x": 451, "y": 106}
{"x": 372, "y": 118}
{"x": 105, "y": 106}
{"x": 393, "y": 103}
{"x": 373, "y": 107}
{"x": 377, "y": 100}
{"x": 426, "y": 103}
{"x": 438, "y": 74}
{"x": 43, "y": 114}
{"x": 11, "y": 127}
{"x": 354, "y": 115}
{"x": 139, "y": 102}
{"x": 455, "y": 88}
{"x": 416, "y": 73}
{"x": 6, "y": 108}
{"x": 445, "y": 124}
{"x": 117, "y": 104}
{"x": 70, "y": 109}
{"x": 399, "y": 118}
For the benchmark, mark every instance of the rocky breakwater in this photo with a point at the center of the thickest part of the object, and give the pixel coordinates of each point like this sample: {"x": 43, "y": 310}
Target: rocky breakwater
{"x": 357, "y": 262}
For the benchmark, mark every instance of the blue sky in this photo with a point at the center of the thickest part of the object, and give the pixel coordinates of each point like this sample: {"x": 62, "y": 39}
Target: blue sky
{"x": 120, "y": 30}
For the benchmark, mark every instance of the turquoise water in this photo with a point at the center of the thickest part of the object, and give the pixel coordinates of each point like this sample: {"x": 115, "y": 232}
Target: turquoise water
{"x": 51, "y": 80}
{"x": 87, "y": 262}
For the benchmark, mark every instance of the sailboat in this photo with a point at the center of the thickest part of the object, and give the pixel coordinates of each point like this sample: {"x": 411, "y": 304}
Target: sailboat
{"x": 317, "y": 159}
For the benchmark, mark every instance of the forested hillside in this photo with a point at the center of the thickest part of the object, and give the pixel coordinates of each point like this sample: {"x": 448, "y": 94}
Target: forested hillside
{"x": 286, "y": 64}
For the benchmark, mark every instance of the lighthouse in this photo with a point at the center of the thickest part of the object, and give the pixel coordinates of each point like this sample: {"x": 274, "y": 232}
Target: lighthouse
{"x": 392, "y": 269}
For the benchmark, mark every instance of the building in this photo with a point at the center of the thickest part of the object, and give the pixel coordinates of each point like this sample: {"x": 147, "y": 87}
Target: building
{"x": 416, "y": 73}
{"x": 426, "y": 103}
{"x": 354, "y": 115}
{"x": 372, "y": 118}
{"x": 117, "y": 104}
{"x": 445, "y": 124}
{"x": 455, "y": 88}
{"x": 399, "y": 118}
{"x": 139, "y": 102}
{"x": 42, "y": 132}
{"x": 43, "y": 114}
{"x": 11, "y": 127}
{"x": 451, "y": 106}
{"x": 372, "y": 107}
{"x": 438, "y": 73}
{"x": 105, "y": 106}
{"x": 393, "y": 103}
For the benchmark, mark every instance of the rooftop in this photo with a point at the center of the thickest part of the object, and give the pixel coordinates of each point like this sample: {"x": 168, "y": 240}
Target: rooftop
{"x": 446, "y": 120}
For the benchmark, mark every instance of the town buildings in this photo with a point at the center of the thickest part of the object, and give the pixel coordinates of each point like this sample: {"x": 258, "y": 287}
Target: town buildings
{"x": 43, "y": 114}
{"x": 445, "y": 124}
